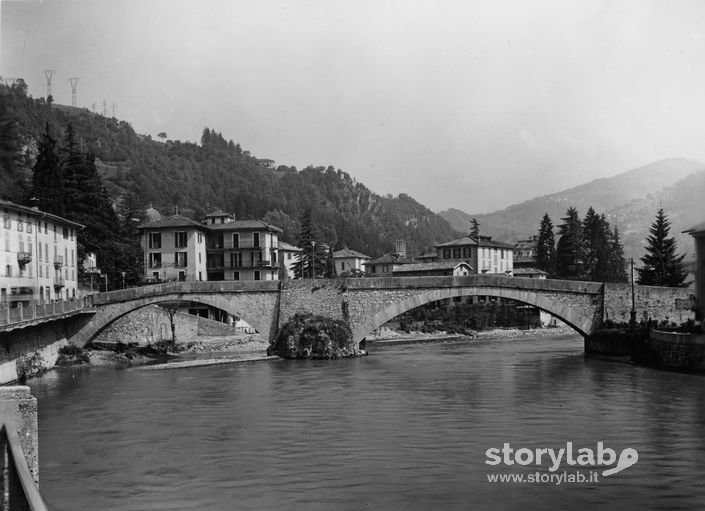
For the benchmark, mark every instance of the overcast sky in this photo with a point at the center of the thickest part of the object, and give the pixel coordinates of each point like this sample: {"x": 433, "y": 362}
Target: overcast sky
{"x": 464, "y": 104}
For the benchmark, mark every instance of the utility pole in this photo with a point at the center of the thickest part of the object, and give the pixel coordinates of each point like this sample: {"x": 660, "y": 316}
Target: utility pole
{"x": 74, "y": 84}
{"x": 49, "y": 73}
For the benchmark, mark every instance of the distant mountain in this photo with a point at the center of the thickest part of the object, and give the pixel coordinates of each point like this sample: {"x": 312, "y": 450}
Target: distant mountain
{"x": 629, "y": 201}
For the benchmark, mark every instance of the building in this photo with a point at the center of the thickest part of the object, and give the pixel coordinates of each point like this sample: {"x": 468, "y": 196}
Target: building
{"x": 698, "y": 234}
{"x": 384, "y": 266}
{"x": 483, "y": 254}
{"x": 222, "y": 248}
{"x": 525, "y": 252}
{"x": 427, "y": 269}
{"x": 288, "y": 255}
{"x": 174, "y": 249}
{"x": 349, "y": 262}
{"x": 39, "y": 256}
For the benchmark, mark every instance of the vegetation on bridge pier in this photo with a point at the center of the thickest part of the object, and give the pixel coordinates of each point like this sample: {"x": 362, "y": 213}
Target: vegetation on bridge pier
{"x": 317, "y": 337}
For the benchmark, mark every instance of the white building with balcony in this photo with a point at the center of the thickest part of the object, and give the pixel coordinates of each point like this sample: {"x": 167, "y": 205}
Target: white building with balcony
{"x": 38, "y": 256}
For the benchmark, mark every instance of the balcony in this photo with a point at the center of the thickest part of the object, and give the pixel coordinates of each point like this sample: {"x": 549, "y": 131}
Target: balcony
{"x": 58, "y": 262}
{"x": 59, "y": 282}
{"x": 24, "y": 258}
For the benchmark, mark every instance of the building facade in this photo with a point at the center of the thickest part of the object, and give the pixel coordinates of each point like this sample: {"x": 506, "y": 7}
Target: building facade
{"x": 222, "y": 248}
{"x": 349, "y": 262}
{"x": 483, "y": 254}
{"x": 39, "y": 256}
{"x": 174, "y": 250}
{"x": 288, "y": 255}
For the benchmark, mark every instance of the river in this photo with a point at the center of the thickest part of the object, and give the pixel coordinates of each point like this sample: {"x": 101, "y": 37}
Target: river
{"x": 406, "y": 428}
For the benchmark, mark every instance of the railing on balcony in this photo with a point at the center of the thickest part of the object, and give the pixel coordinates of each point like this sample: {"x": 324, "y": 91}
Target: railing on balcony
{"x": 58, "y": 261}
{"x": 59, "y": 282}
{"x": 18, "y": 312}
{"x": 18, "y": 489}
{"x": 24, "y": 257}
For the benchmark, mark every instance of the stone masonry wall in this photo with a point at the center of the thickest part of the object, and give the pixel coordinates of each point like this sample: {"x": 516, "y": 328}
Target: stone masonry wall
{"x": 149, "y": 325}
{"x": 651, "y": 302}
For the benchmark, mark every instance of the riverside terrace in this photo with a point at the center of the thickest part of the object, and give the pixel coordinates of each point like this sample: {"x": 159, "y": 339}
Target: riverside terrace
{"x": 368, "y": 303}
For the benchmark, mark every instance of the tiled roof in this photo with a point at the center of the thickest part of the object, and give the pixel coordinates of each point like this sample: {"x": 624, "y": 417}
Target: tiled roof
{"x": 38, "y": 213}
{"x": 218, "y": 213}
{"x": 283, "y": 245}
{"x": 390, "y": 258}
{"x": 172, "y": 221}
{"x": 528, "y": 271}
{"x": 348, "y": 253}
{"x": 696, "y": 229}
{"x": 468, "y": 241}
{"x": 432, "y": 266}
{"x": 238, "y": 225}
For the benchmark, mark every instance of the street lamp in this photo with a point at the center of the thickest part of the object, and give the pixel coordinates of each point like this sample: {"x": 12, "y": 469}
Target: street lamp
{"x": 313, "y": 259}
{"x": 123, "y": 279}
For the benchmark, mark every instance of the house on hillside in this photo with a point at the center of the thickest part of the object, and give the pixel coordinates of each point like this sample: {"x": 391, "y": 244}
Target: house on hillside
{"x": 39, "y": 256}
{"x": 349, "y": 262}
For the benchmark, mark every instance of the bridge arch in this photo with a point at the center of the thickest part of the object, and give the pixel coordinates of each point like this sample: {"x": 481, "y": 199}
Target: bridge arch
{"x": 574, "y": 317}
{"x": 238, "y": 305}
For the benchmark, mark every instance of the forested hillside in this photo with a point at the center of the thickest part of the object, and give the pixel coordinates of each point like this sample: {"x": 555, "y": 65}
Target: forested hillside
{"x": 215, "y": 173}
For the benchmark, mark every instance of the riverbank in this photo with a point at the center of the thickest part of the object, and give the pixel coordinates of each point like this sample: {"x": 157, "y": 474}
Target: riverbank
{"x": 387, "y": 336}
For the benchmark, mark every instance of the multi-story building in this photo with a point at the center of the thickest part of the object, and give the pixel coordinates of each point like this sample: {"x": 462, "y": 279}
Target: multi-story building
{"x": 483, "y": 254}
{"x": 242, "y": 249}
{"x": 174, "y": 249}
{"x": 349, "y": 262}
{"x": 222, "y": 248}
{"x": 38, "y": 256}
{"x": 525, "y": 252}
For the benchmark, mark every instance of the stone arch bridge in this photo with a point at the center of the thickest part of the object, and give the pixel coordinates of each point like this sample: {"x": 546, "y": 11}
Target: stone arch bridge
{"x": 368, "y": 303}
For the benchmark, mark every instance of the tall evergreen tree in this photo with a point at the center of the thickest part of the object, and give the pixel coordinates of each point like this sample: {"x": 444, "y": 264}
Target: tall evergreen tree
{"x": 596, "y": 249}
{"x": 546, "y": 247}
{"x": 310, "y": 262}
{"x": 47, "y": 177}
{"x": 569, "y": 251}
{"x": 661, "y": 265}
{"x": 617, "y": 267}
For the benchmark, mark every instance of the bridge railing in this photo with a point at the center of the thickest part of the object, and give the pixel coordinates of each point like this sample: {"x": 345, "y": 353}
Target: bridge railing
{"x": 28, "y": 311}
{"x": 18, "y": 431}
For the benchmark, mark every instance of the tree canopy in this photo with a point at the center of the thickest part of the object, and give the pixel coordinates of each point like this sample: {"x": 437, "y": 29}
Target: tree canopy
{"x": 661, "y": 266}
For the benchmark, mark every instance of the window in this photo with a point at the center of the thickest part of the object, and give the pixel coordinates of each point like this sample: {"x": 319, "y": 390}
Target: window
{"x": 29, "y": 227}
{"x": 446, "y": 253}
{"x": 257, "y": 275}
{"x": 155, "y": 260}
{"x": 255, "y": 239}
{"x": 8, "y": 271}
{"x": 456, "y": 253}
{"x": 20, "y": 225}
{"x": 466, "y": 252}
{"x": 200, "y": 238}
{"x": 41, "y": 270}
{"x": 46, "y": 228}
{"x": 236, "y": 240}
{"x": 288, "y": 256}
{"x": 6, "y": 222}
{"x": 65, "y": 233}
{"x": 200, "y": 260}
{"x": 155, "y": 240}
{"x": 236, "y": 275}
{"x": 200, "y": 276}
{"x": 342, "y": 265}
{"x": 39, "y": 248}
{"x": 181, "y": 259}
{"x": 180, "y": 239}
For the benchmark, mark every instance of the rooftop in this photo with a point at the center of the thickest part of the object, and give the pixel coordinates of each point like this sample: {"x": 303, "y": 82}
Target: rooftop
{"x": 38, "y": 213}
{"x": 255, "y": 225}
{"x": 432, "y": 266}
{"x": 485, "y": 241}
{"x": 172, "y": 222}
{"x": 348, "y": 253}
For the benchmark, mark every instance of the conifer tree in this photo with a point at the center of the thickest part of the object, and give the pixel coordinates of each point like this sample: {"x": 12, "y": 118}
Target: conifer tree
{"x": 596, "y": 249}
{"x": 569, "y": 251}
{"x": 617, "y": 268}
{"x": 661, "y": 265}
{"x": 546, "y": 247}
{"x": 47, "y": 177}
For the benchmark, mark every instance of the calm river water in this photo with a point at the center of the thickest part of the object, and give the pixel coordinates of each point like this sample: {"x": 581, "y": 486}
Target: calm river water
{"x": 405, "y": 428}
